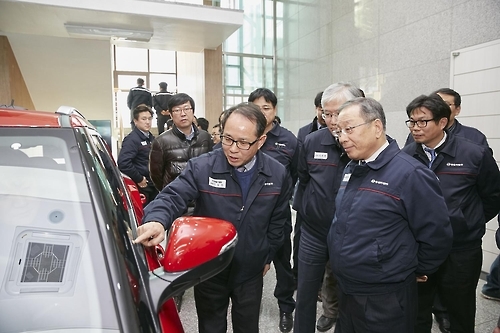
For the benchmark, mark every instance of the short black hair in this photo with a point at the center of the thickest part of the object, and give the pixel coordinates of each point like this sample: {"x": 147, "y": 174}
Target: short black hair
{"x": 203, "y": 123}
{"x": 268, "y": 95}
{"x": 140, "y": 81}
{"x": 251, "y": 112}
{"x": 457, "y": 100}
{"x": 141, "y": 108}
{"x": 434, "y": 103}
{"x": 179, "y": 99}
{"x": 317, "y": 99}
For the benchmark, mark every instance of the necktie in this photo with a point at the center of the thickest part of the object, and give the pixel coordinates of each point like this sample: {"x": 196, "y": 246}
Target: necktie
{"x": 432, "y": 154}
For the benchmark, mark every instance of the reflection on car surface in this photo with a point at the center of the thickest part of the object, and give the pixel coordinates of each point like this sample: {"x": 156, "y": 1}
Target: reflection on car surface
{"x": 67, "y": 261}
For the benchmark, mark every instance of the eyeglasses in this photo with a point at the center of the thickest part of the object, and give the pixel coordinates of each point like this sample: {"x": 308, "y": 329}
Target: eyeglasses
{"x": 227, "y": 141}
{"x": 348, "y": 130}
{"x": 213, "y": 135}
{"x": 450, "y": 104}
{"x": 328, "y": 115}
{"x": 186, "y": 110}
{"x": 420, "y": 123}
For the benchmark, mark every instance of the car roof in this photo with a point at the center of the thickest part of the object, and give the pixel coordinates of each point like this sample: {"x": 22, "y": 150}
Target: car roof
{"x": 65, "y": 116}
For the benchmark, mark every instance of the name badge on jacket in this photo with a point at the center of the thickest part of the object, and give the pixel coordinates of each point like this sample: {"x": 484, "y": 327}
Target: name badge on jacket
{"x": 320, "y": 155}
{"x": 144, "y": 143}
{"x": 219, "y": 183}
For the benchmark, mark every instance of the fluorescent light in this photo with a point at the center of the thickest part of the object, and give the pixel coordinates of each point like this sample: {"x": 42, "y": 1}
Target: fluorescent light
{"x": 104, "y": 32}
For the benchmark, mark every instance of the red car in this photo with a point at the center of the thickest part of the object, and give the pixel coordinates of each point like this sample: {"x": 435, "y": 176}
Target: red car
{"x": 68, "y": 218}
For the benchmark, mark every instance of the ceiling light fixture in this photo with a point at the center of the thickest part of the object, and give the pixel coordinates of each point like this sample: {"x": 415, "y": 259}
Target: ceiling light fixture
{"x": 104, "y": 32}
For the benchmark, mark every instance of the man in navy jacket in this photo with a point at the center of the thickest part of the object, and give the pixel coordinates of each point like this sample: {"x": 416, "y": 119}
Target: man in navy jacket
{"x": 244, "y": 186}
{"x": 470, "y": 181}
{"x": 321, "y": 163}
{"x": 390, "y": 230}
{"x": 134, "y": 155}
{"x": 280, "y": 144}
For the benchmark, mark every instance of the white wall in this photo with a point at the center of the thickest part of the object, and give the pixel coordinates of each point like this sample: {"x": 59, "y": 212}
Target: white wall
{"x": 191, "y": 78}
{"x": 64, "y": 71}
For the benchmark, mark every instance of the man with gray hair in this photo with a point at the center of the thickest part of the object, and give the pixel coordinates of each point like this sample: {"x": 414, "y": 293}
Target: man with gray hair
{"x": 391, "y": 228}
{"x": 321, "y": 162}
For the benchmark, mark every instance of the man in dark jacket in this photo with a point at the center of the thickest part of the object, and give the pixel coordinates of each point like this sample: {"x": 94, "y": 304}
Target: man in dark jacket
{"x": 134, "y": 154}
{"x": 138, "y": 95}
{"x": 390, "y": 230}
{"x": 280, "y": 144}
{"x": 470, "y": 181}
{"x": 160, "y": 104}
{"x": 321, "y": 163}
{"x": 172, "y": 149}
{"x": 244, "y": 186}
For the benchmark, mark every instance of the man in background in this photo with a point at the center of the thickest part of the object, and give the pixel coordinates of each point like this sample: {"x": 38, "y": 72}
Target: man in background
{"x": 160, "y": 104}
{"x": 138, "y": 95}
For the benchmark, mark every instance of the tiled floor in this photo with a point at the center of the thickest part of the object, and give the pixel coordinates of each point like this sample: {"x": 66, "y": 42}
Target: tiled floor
{"x": 486, "y": 317}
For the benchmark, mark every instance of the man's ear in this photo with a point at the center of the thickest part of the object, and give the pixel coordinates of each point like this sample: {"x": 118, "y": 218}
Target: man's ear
{"x": 443, "y": 122}
{"x": 379, "y": 127}
{"x": 457, "y": 110}
{"x": 262, "y": 140}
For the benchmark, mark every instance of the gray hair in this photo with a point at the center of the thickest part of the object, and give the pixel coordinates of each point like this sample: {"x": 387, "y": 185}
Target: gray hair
{"x": 341, "y": 90}
{"x": 370, "y": 109}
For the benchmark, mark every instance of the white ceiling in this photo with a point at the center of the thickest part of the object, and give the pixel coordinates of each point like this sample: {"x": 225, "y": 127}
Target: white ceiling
{"x": 175, "y": 26}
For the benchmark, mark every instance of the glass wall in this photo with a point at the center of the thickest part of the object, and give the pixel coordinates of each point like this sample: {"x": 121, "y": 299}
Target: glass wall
{"x": 153, "y": 66}
{"x": 249, "y": 54}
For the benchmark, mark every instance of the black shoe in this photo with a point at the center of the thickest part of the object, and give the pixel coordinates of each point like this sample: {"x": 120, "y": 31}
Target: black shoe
{"x": 286, "y": 321}
{"x": 443, "y": 323}
{"x": 325, "y": 323}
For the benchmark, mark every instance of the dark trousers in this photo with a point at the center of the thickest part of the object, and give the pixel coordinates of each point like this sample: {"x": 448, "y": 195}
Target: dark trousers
{"x": 390, "y": 312}
{"x": 212, "y": 302}
{"x": 296, "y": 242}
{"x": 285, "y": 283}
{"x": 161, "y": 120}
{"x": 456, "y": 282}
{"x": 313, "y": 256}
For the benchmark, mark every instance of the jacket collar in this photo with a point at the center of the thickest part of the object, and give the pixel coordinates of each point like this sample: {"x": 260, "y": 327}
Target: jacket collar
{"x": 181, "y": 135}
{"x": 386, "y": 155}
{"x": 222, "y": 166}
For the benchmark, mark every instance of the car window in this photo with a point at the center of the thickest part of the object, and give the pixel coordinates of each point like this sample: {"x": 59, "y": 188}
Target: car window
{"x": 52, "y": 265}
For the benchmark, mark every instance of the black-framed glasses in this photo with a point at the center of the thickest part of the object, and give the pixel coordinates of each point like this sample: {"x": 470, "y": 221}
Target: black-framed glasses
{"x": 349, "y": 130}
{"x": 420, "y": 123}
{"x": 186, "y": 110}
{"x": 227, "y": 141}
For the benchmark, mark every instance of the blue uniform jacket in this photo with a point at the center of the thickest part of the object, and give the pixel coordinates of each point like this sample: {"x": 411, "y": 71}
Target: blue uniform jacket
{"x": 321, "y": 163}
{"x": 470, "y": 181}
{"x": 211, "y": 182}
{"x": 391, "y": 224}
{"x": 281, "y": 144}
{"x": 305, "y": 130}
{"x": 134, "y": 156}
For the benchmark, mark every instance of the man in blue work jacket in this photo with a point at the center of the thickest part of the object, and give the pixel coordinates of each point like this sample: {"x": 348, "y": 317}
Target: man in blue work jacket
{"x": 391, "y": 227}
{"x": 469, "y": 178}
{"x": 244, "y": 186}
{"x": 281, "y": 144}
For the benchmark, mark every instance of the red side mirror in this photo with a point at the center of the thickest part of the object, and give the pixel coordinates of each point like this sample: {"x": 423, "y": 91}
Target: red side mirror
{"x": 197, "y": 240}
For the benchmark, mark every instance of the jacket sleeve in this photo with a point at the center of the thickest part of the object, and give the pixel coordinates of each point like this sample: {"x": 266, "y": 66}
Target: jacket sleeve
{"x": 303, "y": 176}
{"x": 281, "y": 213}
{"x": 126, "y": 158}
{"x": 428, "y": 219}
{"x": 173, "y": 200}
{"x": 488, "y": 185}
{"x": 129, "y": 99}
{"x": 156, "y": 165}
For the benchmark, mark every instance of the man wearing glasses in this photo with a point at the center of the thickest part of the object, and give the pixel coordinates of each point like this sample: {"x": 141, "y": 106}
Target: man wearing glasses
{"x": 390, "y": 227}
{"x": 172, "y": 149}
{"x": 321, "y": 162}
{"x": 244, "y": 186}
{"x": 470, "y": 182}
{"x": 281, "y": 144}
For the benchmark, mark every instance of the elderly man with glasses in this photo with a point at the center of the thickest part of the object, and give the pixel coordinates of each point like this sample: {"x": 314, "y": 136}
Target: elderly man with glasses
{"x": 390, "y": 229}
{"x": 246, "y": 187}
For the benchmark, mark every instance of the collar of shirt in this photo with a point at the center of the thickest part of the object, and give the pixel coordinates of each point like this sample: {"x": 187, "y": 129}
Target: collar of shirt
{"x": 440, "y": 143}
{"x": 191, "y": 135}
{"x": 146, "y": 134}
{"x": 319, "y": 126}
{"x": 375, "y": 154}
{"x": 248, "y": 166}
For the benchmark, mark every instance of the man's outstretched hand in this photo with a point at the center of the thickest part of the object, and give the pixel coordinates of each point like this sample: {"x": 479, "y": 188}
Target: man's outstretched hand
{"x": 150, "y": 234}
